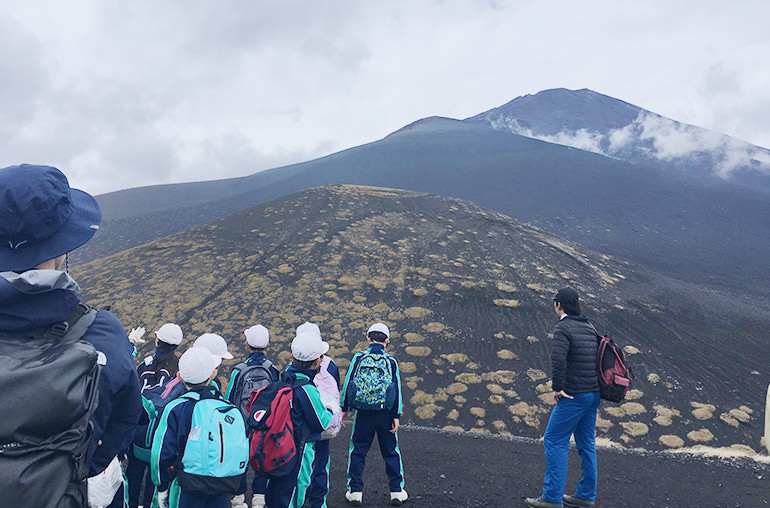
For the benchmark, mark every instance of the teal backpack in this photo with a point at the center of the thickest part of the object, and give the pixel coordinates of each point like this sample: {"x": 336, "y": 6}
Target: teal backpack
{"x": 372, "y": 384}
{"x": 217, "y": 450}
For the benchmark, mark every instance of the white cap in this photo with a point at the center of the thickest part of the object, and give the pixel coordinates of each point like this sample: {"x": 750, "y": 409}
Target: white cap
{"x": 308, "y": 327}
{"x": 307, "y": 346}
{"x": 197, "y": 364}
{"x": 379, "y": 327}
{"x": 214, "y": 343}
{"x": 257, "y": 337}
{"x": 170, "y": 333}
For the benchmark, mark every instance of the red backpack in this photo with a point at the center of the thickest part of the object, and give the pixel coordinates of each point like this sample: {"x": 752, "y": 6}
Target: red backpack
{"x": 272, "y": 447}
{"x": 613, "y": 371}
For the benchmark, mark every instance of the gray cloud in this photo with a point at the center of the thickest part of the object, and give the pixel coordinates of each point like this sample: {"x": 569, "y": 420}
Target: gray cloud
{"x": 137, "y": 93}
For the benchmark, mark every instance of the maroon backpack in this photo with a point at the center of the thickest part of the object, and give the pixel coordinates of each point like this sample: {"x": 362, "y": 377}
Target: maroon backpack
{"x": 613, "y": 371}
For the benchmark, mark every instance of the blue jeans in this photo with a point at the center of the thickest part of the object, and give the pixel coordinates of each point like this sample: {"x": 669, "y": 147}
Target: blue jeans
{"x": 571, "y": 416}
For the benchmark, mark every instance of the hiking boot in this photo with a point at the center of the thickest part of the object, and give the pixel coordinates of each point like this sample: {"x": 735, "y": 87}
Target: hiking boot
{"x": 539, "y": 502}
{"x": 576, "y": 502}
{"x": 258, "y": 501}
{"x": 238, "y": 501}
{"x": 354, "y": 498}
{"x": 398, "y": 498}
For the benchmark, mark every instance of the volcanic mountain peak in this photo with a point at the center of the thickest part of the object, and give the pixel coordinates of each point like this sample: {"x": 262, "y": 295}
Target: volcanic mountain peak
{"x": 467, "y": 294}
{"x": 597, "y": 123}
{"x": 431, "y": 124}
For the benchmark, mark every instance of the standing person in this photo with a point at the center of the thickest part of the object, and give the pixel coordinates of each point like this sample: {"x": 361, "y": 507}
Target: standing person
{"x": 309, "y": 418}
{"x": 217, "y": 345}
{"x": 200, "y": 449}
{"x": 576, "y": 392}
{"x": 253, "y": 373}
{"x": 327, "y": 380}
{"x": 163, "y": 364}
{"x": 160, "y": 385}
{"x": 373, "y": 390}
{"x": 41, "y": 220}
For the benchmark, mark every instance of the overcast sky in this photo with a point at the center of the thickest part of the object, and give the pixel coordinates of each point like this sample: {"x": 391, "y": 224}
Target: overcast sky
{"x": 122, "y": 94}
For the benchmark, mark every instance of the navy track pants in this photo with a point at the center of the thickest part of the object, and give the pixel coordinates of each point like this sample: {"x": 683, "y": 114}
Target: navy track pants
{"x": 366, "y": 425}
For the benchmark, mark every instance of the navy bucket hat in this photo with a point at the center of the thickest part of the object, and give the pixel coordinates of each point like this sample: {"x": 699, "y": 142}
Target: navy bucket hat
{"x": 41, "y": 217}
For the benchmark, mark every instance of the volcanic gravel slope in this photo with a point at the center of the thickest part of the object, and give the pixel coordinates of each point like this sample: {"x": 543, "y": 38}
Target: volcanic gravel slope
{"x": 467, "y": 293}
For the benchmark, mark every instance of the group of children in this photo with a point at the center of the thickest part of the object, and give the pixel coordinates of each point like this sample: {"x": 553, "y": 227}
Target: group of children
{"x": 193, "y": 444}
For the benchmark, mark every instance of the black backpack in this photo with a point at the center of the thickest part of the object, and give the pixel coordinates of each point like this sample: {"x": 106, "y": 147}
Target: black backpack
{"x": 49, "y": 392}
{"x": 250, "y": 378}
{"x": 613, "y": 371}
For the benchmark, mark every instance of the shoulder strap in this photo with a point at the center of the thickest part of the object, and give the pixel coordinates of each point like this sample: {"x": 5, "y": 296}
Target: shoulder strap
{"x": 75, "y": 326}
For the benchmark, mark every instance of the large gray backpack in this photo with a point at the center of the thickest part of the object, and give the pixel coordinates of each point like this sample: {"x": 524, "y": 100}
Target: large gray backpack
{"x": 49, "y": 392}
{"x": 250, "y": 378}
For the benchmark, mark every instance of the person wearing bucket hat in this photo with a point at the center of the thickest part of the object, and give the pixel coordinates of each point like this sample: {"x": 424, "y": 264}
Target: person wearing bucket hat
{"x": 253, "y": 373}
{"x": 41, "y": 220}
{"x": 309, "y": 417}
{"x": 327, "y": 380}
{"x": 372, "y": 389}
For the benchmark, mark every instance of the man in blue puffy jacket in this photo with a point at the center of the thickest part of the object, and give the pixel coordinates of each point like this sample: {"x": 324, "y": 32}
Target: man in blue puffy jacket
{"x": 41, "y": 220}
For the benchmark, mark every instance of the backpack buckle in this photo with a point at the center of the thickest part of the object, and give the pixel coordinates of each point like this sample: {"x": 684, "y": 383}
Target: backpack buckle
{"x": 58, "y": 330}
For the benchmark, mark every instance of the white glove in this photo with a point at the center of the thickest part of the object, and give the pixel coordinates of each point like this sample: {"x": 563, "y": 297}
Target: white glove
{"x": 136, "y": 335}
{"x": 163, "y": 499}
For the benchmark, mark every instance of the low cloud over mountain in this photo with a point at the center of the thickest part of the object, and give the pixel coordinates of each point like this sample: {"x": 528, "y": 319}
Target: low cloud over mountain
{"x": 590, "y": 121}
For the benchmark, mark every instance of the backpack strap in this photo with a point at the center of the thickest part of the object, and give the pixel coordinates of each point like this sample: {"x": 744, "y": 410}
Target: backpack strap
{"x": 75, "y": 326}
{"x": 594, "y": 329}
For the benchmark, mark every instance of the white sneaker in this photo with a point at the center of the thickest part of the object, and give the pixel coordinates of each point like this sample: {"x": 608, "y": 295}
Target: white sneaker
{"x": 398, "y": 498}
{"x": 354, "y": 498}
{"x": 238, "y": 501}
{"x": 258, "y": 501}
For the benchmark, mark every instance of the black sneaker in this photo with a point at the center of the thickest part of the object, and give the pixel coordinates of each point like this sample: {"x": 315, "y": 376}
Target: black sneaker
{"x": 539, "y": 502}
{"x": 576, "y": 502}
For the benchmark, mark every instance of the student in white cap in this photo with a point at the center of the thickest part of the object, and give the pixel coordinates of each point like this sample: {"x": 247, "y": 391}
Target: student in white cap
{"x": 163, "y": 364}
{"x": 216, "y": 345}
{"x": 328, "y": 383}
{"x": 156, "y": 373}
{"x": 199, "y": 481}
{"x": 253, "y": 373}
{"x": 373, "y": 390}
{"x": 309, "y": 417}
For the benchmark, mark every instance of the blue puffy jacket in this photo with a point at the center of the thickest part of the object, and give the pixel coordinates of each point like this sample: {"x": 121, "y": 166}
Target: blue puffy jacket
{"x": 33, "y": 301}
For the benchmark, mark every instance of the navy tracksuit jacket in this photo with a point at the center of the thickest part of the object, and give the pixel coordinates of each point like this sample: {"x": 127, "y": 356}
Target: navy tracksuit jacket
{"x": 310, "y": 418}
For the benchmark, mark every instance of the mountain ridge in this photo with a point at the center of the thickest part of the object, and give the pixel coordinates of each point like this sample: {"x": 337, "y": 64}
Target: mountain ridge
{"x": 697, "y": 229}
